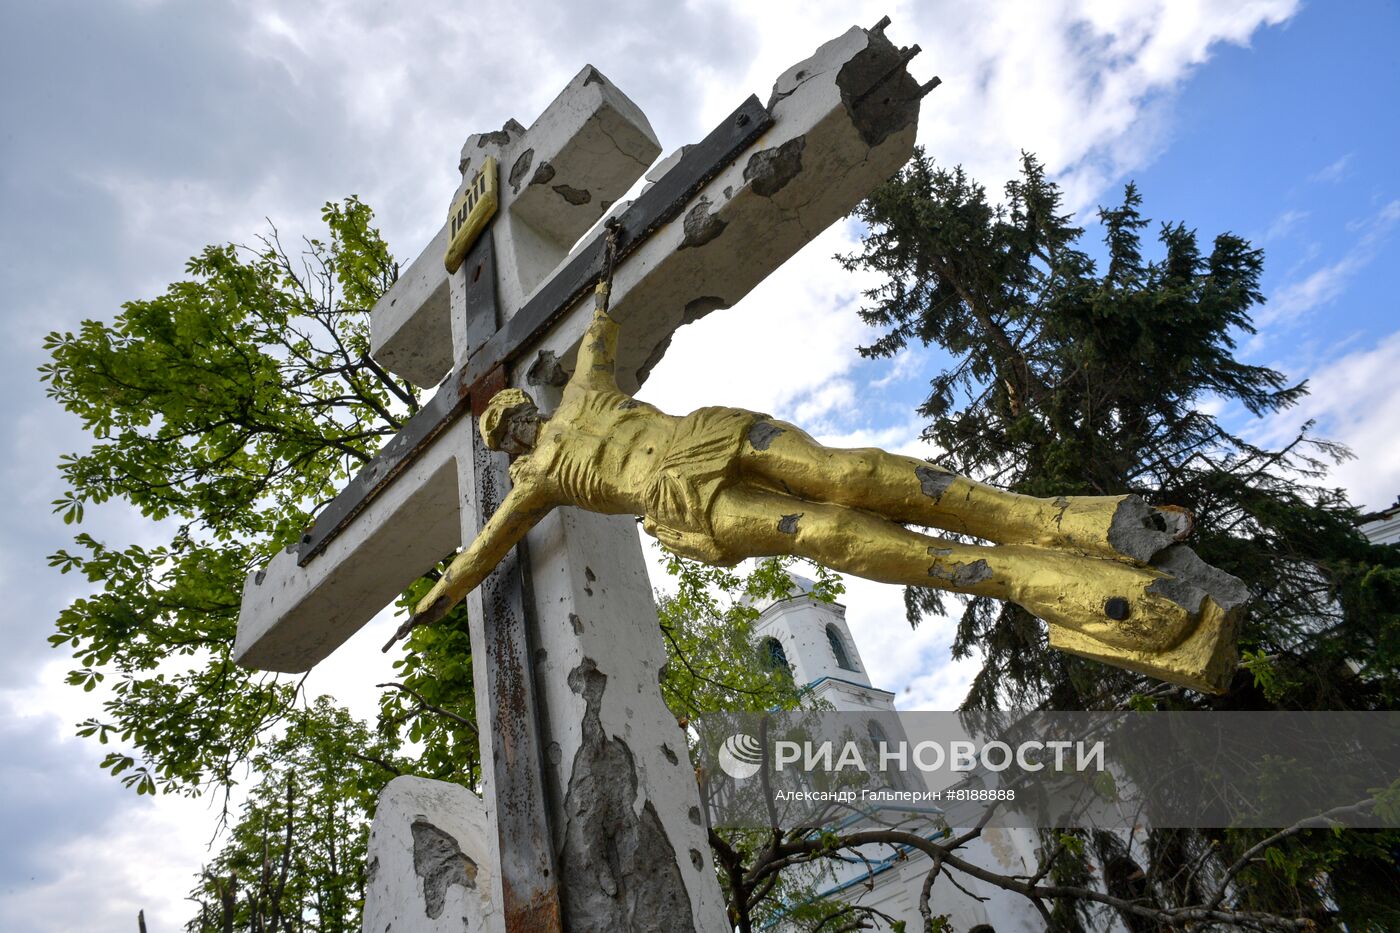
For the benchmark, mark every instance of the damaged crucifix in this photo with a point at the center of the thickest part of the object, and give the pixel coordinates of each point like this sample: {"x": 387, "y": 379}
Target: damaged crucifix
{"x": 589, "y": 817}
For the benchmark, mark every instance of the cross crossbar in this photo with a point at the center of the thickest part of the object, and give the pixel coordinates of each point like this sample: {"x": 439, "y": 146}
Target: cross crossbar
{"x": 656, "y": 206}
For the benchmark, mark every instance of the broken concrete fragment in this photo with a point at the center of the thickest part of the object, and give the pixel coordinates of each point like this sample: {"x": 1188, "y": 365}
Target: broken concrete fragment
{"x": 440, "y": 862}
{"x": 769, "y": 170}
{"x": 881, "y": 97}
{"x": 701, "y": 226}
{"x": 431, "y": 852}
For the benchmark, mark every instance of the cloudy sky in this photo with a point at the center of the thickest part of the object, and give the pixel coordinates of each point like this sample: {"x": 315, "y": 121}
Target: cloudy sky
{"x": 133, "y": 132}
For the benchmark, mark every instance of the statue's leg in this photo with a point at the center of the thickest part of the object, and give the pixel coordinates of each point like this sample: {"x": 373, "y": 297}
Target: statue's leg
{"x": 1133, "y": 616}
{"x": 905, "y": 489}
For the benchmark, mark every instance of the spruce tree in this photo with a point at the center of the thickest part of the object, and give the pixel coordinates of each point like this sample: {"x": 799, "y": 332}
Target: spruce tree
{"x": 1076, "y": 375}
{"x": 1072, "y": 376}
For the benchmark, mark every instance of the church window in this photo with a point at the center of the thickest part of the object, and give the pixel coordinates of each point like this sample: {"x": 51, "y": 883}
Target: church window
{"x": 838, "y": 648}
{"x": 774, "y": 656}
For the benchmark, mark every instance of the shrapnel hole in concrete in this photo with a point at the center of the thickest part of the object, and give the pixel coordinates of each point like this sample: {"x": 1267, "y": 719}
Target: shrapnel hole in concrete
{"x": 441, "y": 863}
{"x": 769, "y": 170}
{"x": 700, "y": 226}
{"x": 618, "y": 869}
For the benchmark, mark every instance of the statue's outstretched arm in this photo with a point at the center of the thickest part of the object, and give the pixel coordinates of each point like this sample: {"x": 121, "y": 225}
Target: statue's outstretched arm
{"x": 597, "y": 354}
{"x": 521, "y": 511}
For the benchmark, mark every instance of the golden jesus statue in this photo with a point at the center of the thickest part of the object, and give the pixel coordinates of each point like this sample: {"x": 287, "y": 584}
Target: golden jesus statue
{"x": 723, "y": 484}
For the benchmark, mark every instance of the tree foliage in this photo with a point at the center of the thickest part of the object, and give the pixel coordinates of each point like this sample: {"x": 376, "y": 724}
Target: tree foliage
{"x": 1076, "y": 376}
{"x": 295, "y": 858}
{"x": 714, "y": 661}
{"x": 227, "y": 409}
{"x": 1072, "y": 374}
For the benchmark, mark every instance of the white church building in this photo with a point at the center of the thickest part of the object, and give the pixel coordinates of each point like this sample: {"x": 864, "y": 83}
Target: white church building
{"x": 1383, "y": 527}
{"x": 812, "y": 638}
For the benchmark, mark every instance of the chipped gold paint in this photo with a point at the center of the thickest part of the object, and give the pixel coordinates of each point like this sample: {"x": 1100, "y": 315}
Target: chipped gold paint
{"x": 470, "y": 213}
{"x": 723, "y": 484}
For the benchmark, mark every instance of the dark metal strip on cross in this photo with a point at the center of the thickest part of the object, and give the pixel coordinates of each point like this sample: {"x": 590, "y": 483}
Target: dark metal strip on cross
{"x": 528, "y": 873}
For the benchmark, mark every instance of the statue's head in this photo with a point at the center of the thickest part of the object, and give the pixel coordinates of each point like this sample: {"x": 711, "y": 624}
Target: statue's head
{"x": 511, "y": 422}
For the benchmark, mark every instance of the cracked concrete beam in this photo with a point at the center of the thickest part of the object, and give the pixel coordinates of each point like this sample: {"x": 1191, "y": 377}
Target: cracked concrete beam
{"x": 844, "y": 121}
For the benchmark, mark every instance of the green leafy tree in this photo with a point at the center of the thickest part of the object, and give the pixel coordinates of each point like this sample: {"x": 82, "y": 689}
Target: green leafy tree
{"x": 228, "y": 410}
{"x": 1072, "y": 374}
{"x": 295, "y": 859}
{"x": 1076, "y": 377}
{"x": 714, "y": 661}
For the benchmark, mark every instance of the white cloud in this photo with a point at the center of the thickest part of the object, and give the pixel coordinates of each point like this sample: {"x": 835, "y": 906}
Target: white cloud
{"x": 1324, "y": 284}
{"x": 1320, "y": 287}
{"x": 905, "y": 364}
{"x": 143, "y": 858}
{"x": 1355, "y": 400}
{"x": 913, "y": 663}
{"x": 796, "y": 342}
{"x": 1086, "y": 86}
{"x": 1333, "y": 171}
{"x": 1284, "y": 224}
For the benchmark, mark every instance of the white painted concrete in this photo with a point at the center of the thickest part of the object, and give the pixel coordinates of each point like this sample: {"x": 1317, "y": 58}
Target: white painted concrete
{"x": 556, "y": 179}
{"x": 415, "y": 882}
{"x": 291, "y": 617}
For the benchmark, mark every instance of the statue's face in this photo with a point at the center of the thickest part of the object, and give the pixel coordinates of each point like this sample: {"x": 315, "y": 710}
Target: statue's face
{"x": 522, "y": 430}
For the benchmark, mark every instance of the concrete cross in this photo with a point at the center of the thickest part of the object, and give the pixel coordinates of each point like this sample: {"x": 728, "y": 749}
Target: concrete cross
{"x": 589, "y": 818}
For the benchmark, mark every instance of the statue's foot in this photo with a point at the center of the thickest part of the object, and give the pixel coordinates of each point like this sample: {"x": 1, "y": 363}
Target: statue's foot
{"x": 1176, "y": 620}
{"x": 1205, "y": 660}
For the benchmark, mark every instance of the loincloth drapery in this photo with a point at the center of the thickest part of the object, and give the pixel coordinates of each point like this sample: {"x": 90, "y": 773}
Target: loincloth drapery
{"x": 702, "y": 460}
